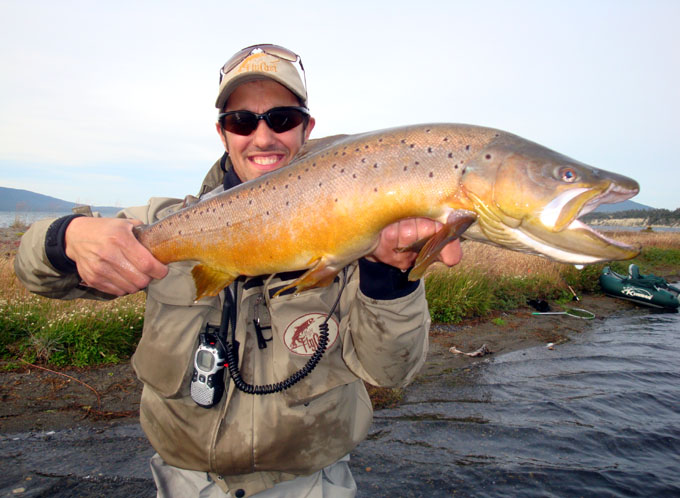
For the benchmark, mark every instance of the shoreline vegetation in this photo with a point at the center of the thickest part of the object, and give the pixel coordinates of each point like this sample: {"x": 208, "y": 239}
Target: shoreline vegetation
{"x": 481, "y": 300}
{"x": 655, "y": 218}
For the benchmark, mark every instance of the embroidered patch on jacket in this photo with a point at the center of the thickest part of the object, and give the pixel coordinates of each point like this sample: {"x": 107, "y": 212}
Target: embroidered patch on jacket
{"x": 302, "y": 335}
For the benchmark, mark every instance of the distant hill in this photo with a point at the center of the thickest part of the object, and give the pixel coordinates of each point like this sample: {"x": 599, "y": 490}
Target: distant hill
{"x": 12, "y": 199}
{"x": 621, "y": 206}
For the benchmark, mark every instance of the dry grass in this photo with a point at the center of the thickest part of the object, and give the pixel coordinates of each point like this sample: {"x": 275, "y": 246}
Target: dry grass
{"x": 644, "y": 238}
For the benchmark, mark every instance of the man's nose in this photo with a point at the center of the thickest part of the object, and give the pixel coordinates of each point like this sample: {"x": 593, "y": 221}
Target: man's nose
{"x": 263, "y": 134}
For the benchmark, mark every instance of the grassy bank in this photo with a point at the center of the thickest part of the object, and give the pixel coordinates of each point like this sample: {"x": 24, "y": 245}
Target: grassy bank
{"x": 488, "y": 279}
{"x": 492, "y": 279}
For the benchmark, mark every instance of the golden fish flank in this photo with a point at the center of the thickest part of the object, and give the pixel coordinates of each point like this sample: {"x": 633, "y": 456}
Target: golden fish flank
{"x": 327, "y": 207}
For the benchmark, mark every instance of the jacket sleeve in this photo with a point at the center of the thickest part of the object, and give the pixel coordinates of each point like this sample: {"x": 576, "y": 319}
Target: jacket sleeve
{"x": 35, "y": 271}
{"x": 386, "y": 340}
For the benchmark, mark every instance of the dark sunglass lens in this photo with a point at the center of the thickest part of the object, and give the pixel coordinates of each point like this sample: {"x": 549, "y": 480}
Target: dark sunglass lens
{"x": 285, "y": 119}
{"x": 241, "y": 123}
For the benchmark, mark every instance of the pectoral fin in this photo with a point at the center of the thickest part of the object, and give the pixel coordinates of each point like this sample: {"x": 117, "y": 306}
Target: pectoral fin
{"x": 457, "y": 222}
{"x": 320, "y": 274}
{"x": 210, "y": 281}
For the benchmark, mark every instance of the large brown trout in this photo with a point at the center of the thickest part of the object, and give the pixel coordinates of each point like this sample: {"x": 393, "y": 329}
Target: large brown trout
{"x": 327, "y": 207}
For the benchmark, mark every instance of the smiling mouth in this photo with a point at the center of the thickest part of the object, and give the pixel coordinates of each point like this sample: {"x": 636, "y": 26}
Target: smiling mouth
{"x": 266, "y": 160}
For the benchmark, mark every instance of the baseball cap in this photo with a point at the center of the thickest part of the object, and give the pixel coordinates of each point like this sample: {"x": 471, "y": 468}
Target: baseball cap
{"x": 259, "y": 62}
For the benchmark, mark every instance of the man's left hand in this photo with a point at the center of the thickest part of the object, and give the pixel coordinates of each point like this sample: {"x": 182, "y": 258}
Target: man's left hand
{"x": 404, "y": 233}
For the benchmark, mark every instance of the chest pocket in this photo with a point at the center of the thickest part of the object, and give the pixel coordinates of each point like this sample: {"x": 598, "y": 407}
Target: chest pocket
{"x": 172, "y": 322}
{"x": 295, "y": 320}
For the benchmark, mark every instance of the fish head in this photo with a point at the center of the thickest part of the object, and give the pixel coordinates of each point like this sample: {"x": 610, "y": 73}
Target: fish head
{"x": 529, "y": 198}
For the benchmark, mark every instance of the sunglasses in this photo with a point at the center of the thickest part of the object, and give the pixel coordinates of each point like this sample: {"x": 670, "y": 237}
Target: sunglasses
{"x": 269, "y": 49}
{"x": 279, "y": 119}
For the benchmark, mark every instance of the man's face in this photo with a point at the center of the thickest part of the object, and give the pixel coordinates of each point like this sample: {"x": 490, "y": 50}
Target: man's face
{"x": 263, "y": 150}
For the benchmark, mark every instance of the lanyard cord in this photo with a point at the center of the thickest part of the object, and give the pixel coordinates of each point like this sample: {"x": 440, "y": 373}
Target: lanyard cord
{"x": 231, "y": 347}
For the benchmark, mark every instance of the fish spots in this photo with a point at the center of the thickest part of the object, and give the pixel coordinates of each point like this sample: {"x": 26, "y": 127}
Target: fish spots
{"x": 467, "y": 147}
{"x": 412, "y": 146}
{"x": 186, "y": 216}
{"x": 320, "y": 184}
{"x": 354, "y": 175}
{"x": 375, "y": 189}
{"x": 431, "y": 174}
{"x": 375, "y": 165}
{"x": 250, "y": 202}
{"x": 334, "y": 166}
{"x": 487, "y": 157}
{"x": 363, "y": 160}
{"x": 428, "y": 130}
{"x": 179, "y": 232}
{"x": 416, "y": 163}
{"x": 450, "y": 155}
{"x": 445, "y": 139}
{"x": 429, "y": 150}
{"x": 405, "y": 168}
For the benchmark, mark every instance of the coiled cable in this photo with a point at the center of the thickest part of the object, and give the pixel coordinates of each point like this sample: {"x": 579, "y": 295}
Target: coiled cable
{"x": 242, "y": 385}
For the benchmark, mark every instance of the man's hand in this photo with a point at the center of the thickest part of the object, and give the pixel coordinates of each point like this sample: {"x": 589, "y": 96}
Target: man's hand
{"x": 404, "y": 233}
{"x": 109, "y": 257}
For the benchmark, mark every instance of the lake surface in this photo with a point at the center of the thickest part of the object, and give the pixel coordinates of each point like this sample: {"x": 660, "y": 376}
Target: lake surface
{"x": 7, "y": 218}
{"x": 597, "y": 416}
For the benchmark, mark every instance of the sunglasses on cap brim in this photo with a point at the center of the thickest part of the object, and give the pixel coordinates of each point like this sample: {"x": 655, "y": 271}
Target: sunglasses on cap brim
{"x": 269, "y": 49}
{"x": 279, "y": 119}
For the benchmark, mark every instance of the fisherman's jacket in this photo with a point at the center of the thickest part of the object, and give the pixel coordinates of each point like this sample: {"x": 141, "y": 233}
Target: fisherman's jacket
{"x": 248, "y": 441}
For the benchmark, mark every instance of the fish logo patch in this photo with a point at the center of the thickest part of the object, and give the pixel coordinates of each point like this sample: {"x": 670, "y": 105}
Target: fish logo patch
{"x": 302, "y": 335}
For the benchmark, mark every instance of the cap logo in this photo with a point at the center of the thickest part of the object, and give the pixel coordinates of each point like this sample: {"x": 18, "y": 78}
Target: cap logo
{"x": 251, "y": 64}
{"x": 301, "y": 337}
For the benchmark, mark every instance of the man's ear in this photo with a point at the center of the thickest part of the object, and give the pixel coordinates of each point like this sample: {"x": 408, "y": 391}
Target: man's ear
{"x": 309, "y": 128}
{"x": 223, "y": 136}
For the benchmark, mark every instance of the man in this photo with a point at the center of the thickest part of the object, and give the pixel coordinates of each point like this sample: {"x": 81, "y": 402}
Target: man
{"x": 293, "y": 442}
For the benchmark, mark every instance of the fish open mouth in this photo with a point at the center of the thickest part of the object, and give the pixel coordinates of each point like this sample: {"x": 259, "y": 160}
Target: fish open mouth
{"x": 562, "y": 236}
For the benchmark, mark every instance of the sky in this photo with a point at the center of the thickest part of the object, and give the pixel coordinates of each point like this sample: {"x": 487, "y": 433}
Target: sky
{"x": 111, "y": 103}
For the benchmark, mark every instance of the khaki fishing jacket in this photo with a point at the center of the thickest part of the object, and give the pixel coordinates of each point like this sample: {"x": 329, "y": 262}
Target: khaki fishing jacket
{"x": 246, "y": 441}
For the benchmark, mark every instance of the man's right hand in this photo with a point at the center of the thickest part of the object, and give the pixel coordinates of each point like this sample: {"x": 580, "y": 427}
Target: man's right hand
{"x": 109, "y": 257}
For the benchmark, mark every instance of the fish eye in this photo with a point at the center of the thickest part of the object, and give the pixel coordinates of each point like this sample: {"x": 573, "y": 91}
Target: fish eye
{"x": 567, "y": 175}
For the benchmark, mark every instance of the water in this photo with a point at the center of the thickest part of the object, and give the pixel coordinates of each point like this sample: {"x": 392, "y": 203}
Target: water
{"x": 598, "y": 416}
{"x": 7, "y": 218}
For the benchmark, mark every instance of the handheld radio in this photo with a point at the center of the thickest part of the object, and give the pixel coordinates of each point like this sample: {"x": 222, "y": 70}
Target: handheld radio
{"x": 207, "y": 383}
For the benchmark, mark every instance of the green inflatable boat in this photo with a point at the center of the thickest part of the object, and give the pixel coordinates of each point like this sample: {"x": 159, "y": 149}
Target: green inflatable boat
{"x": 648, "y": 290}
